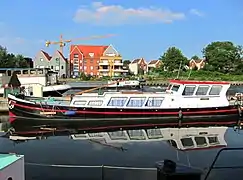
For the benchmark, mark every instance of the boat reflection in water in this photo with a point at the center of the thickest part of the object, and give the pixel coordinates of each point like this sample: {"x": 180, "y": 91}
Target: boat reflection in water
{"x": 59, "y": 153}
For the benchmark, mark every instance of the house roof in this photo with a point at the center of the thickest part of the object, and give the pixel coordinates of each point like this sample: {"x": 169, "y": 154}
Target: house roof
{"x": 154, "y": 61}
{"x": 62, "y": 55}
{"x": 198, "y": 60}
{"x": 48, "y": 57}
{"x": 87, "y": 49}
{"x": 137, "y": 60}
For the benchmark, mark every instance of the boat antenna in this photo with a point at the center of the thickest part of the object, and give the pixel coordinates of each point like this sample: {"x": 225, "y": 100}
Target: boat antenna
{"x": 177, "y": 77}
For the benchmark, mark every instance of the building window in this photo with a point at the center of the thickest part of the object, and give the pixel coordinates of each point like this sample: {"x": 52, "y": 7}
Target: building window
{"x": 91, "y": 67}
{"x": 41, "y": 59}
{"x": 75, "y": 55}
{"x": 57, "y": 68}
{"x": 91, "y": 73}
{"x": 51, "y": 67}
{"x": 85, "y": 67}
{"x": 62, "y": 67}
{"x": 91, "y": 60}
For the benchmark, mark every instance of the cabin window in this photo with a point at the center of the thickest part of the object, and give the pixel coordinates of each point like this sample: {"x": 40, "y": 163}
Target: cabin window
{"x": 169, "y": 87}
{"x": 119, "y": 101}
{"x": 202, "y": 90}
{"x": 173, "y": 143}
{"x": 201, "y": 141}
{"x": 215, "y": 90}
{"x": 117, "y": 135}
{"x": 79, "y": 102}
{"x": 25, "y": 72}
{"x": 175, "y": 87}
{"x": 136, "y": 102}
{"x": 18, "y": 72}
{"x": 213, "y": 140}
{"x": 154, "y": 102}
{"x": 95, "y": 103}
{"x": 154, "y": 133}
{"x": 187, "y": 142}
{"x": 32, "y": 71}
{"x": 189, "y": 90}
{"x": 136, "y": 134}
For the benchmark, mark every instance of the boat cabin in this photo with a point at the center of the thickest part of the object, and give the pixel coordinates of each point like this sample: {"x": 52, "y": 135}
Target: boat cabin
{"x": 179, "y": 94}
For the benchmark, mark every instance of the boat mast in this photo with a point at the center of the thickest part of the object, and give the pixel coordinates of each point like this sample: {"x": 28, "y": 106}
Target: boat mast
{"x": 179, "y": 70}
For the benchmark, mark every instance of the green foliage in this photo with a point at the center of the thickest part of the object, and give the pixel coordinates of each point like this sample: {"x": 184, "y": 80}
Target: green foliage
{"x": 9, "y": 60}
{"x": 172, "y": 59}
{"x": 224, "y": 57}
{"x": 195, "y": 57}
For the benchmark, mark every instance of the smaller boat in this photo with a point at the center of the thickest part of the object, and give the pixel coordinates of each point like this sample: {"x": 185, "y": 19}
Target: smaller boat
{"x": 120, "y": 83}
{"x": 31, "y": 76}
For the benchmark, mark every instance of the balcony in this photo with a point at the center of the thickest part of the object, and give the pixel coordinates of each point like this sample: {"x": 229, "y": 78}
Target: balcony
{"x": 103, "y": 70}
{"x": 120, "y": 70}
{"x": 118, "y": 63}
{"x": 104, "y": 63}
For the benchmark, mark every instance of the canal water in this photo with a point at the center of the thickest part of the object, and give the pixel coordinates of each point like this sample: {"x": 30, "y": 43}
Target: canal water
{"x": 66, "y": 158}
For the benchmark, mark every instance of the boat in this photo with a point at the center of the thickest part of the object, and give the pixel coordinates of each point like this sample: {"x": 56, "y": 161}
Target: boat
{"x": 120, "y": 83}
{"x": 31, "y": 76}
{"x": 184, "y": 103}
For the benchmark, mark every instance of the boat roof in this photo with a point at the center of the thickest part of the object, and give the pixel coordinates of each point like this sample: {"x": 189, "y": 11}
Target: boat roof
{"x": 7, "y": 159}
{"x": 198, "y": 82}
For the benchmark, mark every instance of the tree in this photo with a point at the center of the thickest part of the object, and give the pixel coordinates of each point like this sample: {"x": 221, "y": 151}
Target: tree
{"x": 172, "y": 59}
{"x": 223, "y": 57}
{"x": 9, "y": 60}
{"x": 195, "y": 57}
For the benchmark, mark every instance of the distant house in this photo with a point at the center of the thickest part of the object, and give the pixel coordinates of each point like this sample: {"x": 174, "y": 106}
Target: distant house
{"x": 42, "y": 60}
{"x": 138, "y": 66}
{"x": 57, "y": 62}
{"x": 154, "y": 64}
{"x": 197, "y": 64}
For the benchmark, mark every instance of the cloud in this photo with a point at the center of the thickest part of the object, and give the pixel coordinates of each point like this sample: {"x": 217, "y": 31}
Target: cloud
{"x": 196, "y": 12}
{"x": 99, "y": 14}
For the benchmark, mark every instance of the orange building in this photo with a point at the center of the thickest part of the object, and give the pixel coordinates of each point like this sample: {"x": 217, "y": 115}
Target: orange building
{"x": 92, "y": 60}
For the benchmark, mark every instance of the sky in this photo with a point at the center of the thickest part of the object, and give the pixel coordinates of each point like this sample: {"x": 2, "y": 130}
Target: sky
{"x": 141, "y": 28}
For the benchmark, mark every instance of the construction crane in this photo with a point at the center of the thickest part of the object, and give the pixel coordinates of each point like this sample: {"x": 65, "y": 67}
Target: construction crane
{"x": 63, "y": 42}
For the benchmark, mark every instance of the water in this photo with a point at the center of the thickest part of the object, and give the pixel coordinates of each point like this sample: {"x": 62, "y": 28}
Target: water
{"x": 71, "y": 154}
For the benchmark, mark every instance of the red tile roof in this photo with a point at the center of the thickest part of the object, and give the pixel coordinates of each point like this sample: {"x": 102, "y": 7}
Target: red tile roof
{"x": 48, "y": 57}
{"x": 86, "y": 49}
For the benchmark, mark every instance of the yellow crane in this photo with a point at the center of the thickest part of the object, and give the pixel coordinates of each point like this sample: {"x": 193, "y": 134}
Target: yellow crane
{"x": 62, "y": 42}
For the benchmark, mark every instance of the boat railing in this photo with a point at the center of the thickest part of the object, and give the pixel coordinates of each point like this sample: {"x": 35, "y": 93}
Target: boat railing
{"x": 212, "y": 167}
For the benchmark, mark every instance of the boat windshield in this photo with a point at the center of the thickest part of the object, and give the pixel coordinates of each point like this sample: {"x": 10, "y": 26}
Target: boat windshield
{"x": 173, "y": 87}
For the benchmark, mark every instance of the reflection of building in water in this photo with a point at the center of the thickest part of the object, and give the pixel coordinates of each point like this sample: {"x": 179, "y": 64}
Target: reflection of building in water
{"x": 183, "y": 138}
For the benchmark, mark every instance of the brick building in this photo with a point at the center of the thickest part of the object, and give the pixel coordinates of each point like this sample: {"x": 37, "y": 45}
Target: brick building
{"x": 95, "y": 60}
